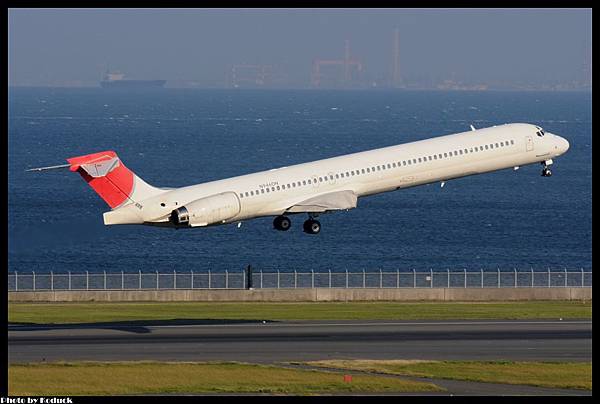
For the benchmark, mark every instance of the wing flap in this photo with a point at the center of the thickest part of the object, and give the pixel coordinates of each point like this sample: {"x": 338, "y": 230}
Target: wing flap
{"x": 340, "y": 200}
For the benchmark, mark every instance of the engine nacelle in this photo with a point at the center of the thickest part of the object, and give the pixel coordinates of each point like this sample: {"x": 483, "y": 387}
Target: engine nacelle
{"x": 206, "y": 211}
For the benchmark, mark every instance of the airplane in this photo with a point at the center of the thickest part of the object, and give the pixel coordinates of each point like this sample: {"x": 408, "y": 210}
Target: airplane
{"x": 317, "y": 187}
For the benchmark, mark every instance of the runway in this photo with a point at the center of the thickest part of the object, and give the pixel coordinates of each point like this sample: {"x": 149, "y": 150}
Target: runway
{"x": 269, "y": 342}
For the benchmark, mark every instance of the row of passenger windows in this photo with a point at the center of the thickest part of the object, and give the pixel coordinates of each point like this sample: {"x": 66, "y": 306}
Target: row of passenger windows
{"x": 367, "y": 170}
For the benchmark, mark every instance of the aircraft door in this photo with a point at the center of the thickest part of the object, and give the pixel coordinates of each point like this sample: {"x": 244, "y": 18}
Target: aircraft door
{"x": 528, "y": 143}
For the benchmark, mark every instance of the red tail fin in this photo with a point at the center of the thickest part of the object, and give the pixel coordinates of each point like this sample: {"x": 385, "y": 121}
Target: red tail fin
{"x": 107, "y": 175}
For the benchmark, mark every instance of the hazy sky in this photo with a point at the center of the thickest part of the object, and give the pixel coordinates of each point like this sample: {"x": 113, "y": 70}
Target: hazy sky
{"x": 59, "y": 45}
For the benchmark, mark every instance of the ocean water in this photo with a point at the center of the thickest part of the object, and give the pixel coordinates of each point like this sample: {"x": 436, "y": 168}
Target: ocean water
{"x": 175, "y": 137}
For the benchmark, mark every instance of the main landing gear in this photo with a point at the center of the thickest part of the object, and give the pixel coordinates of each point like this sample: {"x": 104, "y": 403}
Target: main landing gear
{"x": 545, "y": 170}
{"x": 281, "y": 223}
{"x": 312, "y": 226}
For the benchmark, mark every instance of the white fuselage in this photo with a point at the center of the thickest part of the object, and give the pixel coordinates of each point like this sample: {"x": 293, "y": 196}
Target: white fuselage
{"x": 273, "y": 192}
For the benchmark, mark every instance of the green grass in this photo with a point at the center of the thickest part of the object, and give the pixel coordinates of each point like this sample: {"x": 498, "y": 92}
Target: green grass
{"x": 45, "y": 313}
{"x": 567, "y": 375}
{"x": 112, "y": 378}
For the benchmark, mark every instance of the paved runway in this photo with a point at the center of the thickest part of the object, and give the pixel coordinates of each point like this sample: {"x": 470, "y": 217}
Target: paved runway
{"x": 182, "y": 340}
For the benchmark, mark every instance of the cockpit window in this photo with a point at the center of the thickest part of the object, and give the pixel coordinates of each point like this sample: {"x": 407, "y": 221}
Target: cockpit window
{"x": 540, "y": 131}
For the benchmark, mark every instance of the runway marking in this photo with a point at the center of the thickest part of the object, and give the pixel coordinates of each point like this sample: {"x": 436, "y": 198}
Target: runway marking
{"x": 274, "y": 324}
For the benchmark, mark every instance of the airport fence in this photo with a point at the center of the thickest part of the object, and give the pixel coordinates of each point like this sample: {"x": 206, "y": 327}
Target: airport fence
{"x": 246, "y": 279}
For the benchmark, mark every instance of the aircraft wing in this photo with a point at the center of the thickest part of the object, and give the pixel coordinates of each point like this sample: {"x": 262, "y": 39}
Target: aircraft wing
{"x": 339, "y": 200}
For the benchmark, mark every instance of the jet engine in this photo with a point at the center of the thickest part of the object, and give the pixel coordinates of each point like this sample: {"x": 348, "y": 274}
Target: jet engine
{"x": 206, "y": 211}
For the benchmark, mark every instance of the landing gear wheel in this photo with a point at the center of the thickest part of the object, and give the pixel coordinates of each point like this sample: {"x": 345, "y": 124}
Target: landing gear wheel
{"x": 546, "y": 172}
{"x": 281, "y": 223}
{"x": 312, "y": 226}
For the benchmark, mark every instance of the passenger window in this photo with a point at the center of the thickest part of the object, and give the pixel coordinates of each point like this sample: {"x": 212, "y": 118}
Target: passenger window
{"x": 368, "y": 170}
{"x": 419, "y": 159}
{"x": 252, "y": 193}
{"x": 497, "y": 145}
{"x": 331, "y": 177}
{"x": 304, "y": 182}
{"x": 363, "y": 170}
{"x": 273, "y": 189}
{"x": 278, "y": 187}
{"x": 241, "y": 195}
{"x": 404, "y": 162}
{"x": 435, "y": 156}
{"x": 460, "y": 151}
{"x": 268, "y": 190}
{"x": 390, "y": 166}
{"x": 486, "y": 147}
{"x": 415, "y": 161}
{"x": 455, "y": 153}
{"x": 262, "y": 191}
{"x": 409, "y": 163}
{"x": 512, "y": 142}
{"x": 247, "y": 194}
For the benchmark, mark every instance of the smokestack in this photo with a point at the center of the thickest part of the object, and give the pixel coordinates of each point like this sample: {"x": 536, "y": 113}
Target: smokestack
{"x": 347, "y": 62}
{"x": 396, "y": 79}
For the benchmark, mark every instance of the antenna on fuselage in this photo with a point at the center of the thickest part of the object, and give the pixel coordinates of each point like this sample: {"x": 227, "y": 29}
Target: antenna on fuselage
{"x": 472, "y": 127}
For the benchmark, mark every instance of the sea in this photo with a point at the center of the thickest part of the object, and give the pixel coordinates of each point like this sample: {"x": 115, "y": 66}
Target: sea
{"x": 176, "y": 137}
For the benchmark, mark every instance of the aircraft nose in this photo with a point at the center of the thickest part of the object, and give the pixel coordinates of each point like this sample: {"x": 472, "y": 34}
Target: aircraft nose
{"x": 563, "y": 144}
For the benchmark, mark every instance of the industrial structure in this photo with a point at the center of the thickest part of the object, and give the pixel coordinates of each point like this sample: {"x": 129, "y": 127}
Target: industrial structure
{"x": 396, "y": 78}
{"x": 345, "y": 73}
{"x": 247, "y": 75}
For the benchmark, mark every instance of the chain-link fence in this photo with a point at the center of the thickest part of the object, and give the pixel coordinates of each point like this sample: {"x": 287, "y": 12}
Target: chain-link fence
{"x": 32, "y": 281}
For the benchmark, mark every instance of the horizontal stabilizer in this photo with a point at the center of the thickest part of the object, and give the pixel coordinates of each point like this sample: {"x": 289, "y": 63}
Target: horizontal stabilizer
{"x": 340, "y": 200}
{"x": 49, "y": 168}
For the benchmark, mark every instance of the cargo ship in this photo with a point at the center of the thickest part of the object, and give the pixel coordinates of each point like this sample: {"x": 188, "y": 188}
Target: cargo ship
{"x": 117, "y": 80}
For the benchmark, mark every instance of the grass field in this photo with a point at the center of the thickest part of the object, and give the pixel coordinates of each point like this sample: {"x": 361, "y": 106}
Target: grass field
{"x": 571, "y": 375}
{"x": 106, "y": 378}
{"x": 47, "y": 313}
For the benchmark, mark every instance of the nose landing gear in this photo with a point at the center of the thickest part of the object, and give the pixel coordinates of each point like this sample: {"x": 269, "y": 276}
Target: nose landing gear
{"x": 545, "y": 170}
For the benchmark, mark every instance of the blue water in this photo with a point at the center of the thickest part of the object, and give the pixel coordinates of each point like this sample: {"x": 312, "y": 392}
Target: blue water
{"x": 179, "y": 137}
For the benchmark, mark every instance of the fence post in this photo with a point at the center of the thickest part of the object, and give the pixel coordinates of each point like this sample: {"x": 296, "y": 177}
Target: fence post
{"x": 278, "y": 278}
{"x": 329, "y": 278}
{"x": 174, "y": 279}
{"x": 566, "y": 274}
{"x": 448, "y": 272}
{"x": 87, "y": 280}
{"x": 157, "y": 279}
{"x": 104, "y": 280}
{"x": 17, "y": 280}
{"x": 414, "y": 278}
{"x": 312, "y": 278}
{"x": 122, "y": 280}
{"x": 210, "y": 279}
{"x": 139, "y": 279}
{"x": 69, "y": 280}
{"x": 582, "y": 278}
{"x": 532, "y": 277}
{"x": 295, "y": 280}
{"x": 192, "y": 279}
{"x": 549, "y": 277}
{"x": 33, "y": 272}
{"x": 498, "y": 277}
{"x": 465, "y": 269}
{"x": 365, "y": 279}
{"x": 346, "y": 278}
{"x": 226, "y": 279}
{"x": 430, "y": 277}
{"x": 380, "y": 278}
{"x": 51, "y": 280}
{"x": 515, "y": 282}
{"x": 481, "y": 269}
{"x": 397, "y": 278}
{"x": 261, "y": 279}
